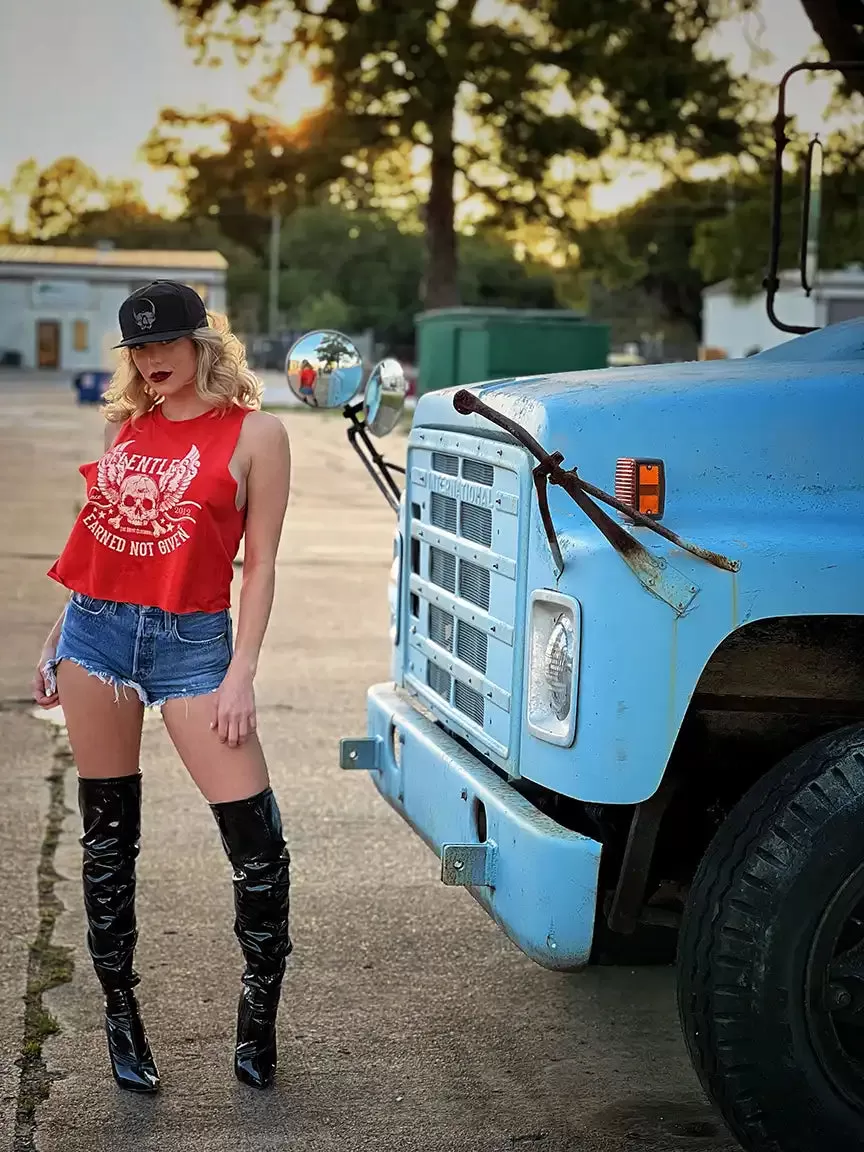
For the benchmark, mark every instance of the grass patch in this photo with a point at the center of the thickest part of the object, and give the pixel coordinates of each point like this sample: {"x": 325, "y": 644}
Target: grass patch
{"x": 49, "y": 966}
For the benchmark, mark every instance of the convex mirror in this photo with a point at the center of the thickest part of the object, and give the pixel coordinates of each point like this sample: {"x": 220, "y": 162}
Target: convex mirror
{"x": 324, "y": 369}
{"x": 384, "y": 397}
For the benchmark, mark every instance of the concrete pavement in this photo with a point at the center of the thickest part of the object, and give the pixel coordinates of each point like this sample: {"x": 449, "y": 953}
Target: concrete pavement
{"x": 409, "y": 1021}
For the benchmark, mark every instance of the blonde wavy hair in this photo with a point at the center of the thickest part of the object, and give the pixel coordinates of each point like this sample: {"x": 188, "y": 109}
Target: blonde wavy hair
{"x": 223, "y": 377}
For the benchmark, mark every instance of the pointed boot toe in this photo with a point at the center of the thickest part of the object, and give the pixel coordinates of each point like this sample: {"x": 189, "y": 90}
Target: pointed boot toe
{"x": 132, "y": 1061}
{"x": 255, "y": 1067}
{"x": 255, "y": 1054}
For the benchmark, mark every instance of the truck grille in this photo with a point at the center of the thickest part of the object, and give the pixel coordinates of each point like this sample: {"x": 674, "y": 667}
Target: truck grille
{"x": 464, "y": 496}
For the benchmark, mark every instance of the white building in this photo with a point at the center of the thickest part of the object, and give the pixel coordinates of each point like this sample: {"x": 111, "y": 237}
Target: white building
{"x": 58, "y": 306}
{"x": 739, "y": 326}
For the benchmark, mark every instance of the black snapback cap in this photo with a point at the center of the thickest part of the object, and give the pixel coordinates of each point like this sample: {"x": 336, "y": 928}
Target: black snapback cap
{"x": 163, "y": 310}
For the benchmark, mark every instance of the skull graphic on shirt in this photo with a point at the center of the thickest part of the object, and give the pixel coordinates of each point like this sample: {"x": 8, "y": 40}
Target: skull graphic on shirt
{"x": 139, "y": 499}
{"x": 140, "y": 503}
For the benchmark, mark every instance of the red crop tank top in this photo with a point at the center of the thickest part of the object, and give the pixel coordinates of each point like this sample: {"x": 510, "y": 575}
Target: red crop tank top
{"x": 161, "y": 526}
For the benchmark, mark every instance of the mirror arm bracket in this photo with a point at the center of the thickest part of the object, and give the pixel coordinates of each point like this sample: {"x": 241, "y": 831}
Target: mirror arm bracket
{"x": 375, "y": 464}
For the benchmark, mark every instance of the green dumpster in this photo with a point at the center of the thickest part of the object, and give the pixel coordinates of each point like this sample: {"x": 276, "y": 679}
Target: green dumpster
{"x": 457, "y": 346}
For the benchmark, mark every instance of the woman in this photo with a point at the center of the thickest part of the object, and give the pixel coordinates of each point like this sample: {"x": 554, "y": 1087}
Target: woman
{"x": 190, "y": 465}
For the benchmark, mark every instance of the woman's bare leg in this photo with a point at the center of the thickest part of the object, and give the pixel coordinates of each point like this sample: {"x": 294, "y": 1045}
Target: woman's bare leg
{"x": 221, "y": 773}
{"x": 104, "y": 731}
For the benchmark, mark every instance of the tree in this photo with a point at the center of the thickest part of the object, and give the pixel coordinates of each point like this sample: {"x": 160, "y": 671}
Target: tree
{"x": 325, "y": 311}
{"x": 56, "y": 196}
{"x": 68, "y": 203}
{"x": 647, "y": 249}
{"x": 510, "y": 108}
{"x": 373, "y": 268}
{"x": 490, "y": 276}
{"x": 253, "y": 166}
{"x": 361, "y": 258}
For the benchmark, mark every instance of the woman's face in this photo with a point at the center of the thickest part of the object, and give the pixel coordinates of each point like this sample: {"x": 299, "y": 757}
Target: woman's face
{"x": 167, "y": 366}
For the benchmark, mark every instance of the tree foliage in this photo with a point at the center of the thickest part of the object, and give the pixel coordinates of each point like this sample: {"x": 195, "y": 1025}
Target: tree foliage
{"x": 509, "y": 111}
{"x": 510, "y": 105}
{"x": 251, "y": 166}
{"x": 364, "y": 261}
{"x": 56, "y": 196}
{"x": 734, "y": 244}
{"x": 648, "y": 247}
{"x": 670, "y": 245}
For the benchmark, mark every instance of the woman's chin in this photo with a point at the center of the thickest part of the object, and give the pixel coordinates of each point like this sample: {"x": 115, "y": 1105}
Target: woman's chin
{"x": 168, "y": 390}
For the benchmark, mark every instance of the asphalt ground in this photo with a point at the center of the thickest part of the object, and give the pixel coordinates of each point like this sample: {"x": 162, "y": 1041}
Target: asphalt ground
{"x": 408, "y": 1020}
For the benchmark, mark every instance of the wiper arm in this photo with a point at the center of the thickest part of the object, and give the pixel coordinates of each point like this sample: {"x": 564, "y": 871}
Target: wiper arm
{"x": 650, "y": 570}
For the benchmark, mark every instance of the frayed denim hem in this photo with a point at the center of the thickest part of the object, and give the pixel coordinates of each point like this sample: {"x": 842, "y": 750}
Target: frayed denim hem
{"x": 116, "y": 682}
{"x": 186, "y": 694}
{"x": 49, "y": 670}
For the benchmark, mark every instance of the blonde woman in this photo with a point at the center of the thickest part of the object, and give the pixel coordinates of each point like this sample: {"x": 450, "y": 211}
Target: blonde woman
{"x": 190, "y": 467}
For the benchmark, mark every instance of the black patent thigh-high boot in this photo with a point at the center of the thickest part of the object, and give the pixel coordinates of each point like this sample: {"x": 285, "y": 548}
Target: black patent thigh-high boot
{"x": 111, "y": 815}
{"x": 252, "y": 836}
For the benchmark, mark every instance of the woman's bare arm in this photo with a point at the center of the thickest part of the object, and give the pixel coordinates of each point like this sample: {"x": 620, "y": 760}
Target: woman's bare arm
{"x": 267, "y": 488}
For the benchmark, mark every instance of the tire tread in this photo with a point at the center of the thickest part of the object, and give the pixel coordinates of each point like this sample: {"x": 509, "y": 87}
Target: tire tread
{"x": 787, "y": 806}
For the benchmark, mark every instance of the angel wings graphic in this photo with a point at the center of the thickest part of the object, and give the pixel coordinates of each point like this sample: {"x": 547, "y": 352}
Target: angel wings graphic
{"x": 143, "y": 503}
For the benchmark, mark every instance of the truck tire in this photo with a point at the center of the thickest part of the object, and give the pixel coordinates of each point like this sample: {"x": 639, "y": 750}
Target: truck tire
{"x": 771, "y": 956}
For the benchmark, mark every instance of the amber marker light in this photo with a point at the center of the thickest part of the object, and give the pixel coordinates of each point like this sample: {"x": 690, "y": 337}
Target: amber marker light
{"x": 641, "y": 485}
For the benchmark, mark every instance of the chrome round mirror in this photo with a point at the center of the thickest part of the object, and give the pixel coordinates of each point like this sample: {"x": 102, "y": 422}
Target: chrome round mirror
{"x": 384, "y": 397}
{"x": 324, "y": 369}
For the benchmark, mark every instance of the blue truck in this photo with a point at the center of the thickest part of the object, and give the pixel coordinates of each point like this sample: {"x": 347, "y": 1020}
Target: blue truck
{"x": 627, "y": 701}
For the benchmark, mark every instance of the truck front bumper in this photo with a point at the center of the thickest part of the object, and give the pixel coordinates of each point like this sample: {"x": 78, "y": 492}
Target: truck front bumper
{"x": 536, "y": 879}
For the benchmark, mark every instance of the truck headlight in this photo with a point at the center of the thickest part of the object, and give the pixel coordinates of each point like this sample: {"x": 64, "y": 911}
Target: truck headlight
{"x": 553, "y": 666}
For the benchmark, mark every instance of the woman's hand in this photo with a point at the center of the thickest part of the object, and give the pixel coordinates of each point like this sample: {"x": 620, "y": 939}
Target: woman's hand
{"x": 234, "y": 707}
{"x": 45, "y": 691}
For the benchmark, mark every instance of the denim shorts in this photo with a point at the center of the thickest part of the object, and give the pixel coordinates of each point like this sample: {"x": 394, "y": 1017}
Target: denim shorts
{"x": 161, "y": 655}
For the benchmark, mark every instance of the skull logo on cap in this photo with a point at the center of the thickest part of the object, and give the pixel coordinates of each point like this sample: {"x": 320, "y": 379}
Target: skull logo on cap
{"x": 144, "y": 314}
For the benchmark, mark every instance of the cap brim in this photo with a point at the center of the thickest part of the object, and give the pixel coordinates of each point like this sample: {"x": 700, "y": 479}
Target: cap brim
{"x": 156, "y": 337}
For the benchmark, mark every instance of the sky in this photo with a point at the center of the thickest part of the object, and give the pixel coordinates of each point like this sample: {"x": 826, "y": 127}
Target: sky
{"x": 89, "y": 79}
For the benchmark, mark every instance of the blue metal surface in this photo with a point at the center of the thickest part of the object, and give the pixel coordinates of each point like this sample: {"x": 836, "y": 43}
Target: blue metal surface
{"x": 542, "y": 878}
{"x": 763, "y": 464}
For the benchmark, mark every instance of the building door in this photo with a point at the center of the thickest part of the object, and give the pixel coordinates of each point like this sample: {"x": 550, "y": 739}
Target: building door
{"x": 48, "y": 344}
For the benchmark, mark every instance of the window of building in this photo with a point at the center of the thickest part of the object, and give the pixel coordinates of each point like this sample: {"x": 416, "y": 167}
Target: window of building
{"x": 80, "y": 336}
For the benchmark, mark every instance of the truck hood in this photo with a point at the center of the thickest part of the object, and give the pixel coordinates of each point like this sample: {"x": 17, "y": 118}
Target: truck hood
{"x": 781, "y": 426}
